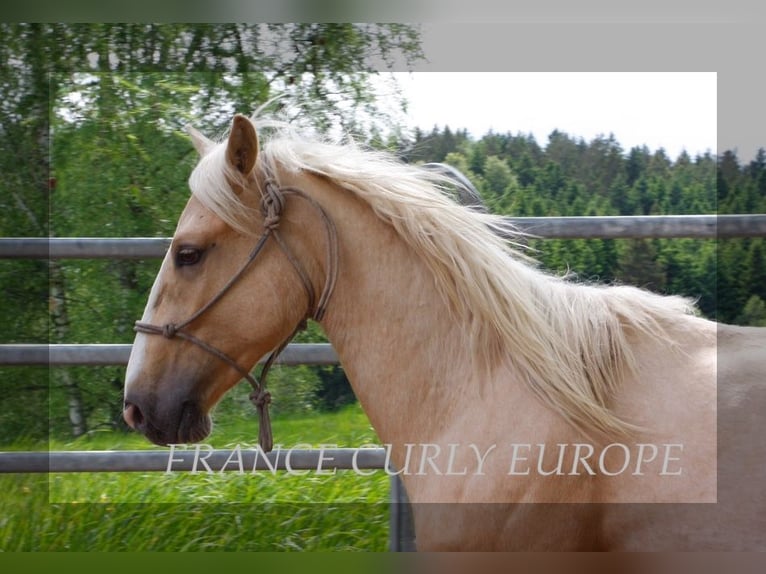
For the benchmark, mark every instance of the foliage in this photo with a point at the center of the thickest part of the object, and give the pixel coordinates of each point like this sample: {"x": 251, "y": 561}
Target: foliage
{"x": 754, "y": 312}
{"x": 91, "y": 125}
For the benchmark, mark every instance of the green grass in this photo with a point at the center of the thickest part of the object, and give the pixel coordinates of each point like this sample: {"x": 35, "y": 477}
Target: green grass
{"x": 184, "y": 511}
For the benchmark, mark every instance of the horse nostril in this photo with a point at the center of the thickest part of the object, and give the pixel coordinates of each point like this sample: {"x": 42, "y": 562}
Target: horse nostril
{"x": 133, "y": 416}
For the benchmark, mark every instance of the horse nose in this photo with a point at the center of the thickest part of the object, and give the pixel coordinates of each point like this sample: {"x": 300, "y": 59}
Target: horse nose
{"x": 133, "y": 416}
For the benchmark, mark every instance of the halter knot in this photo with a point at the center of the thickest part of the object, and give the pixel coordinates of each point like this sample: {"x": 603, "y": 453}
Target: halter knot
{"x": 272, "y": 205}
{"x": 260, "y": 397}
{"x": 169, "y": 330}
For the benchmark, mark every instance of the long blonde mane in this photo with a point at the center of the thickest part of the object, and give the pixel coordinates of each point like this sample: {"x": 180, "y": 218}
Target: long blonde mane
{"x": 570, "y": 342}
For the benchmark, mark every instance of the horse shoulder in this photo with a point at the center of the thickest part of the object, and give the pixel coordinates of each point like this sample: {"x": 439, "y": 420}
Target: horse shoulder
{"x": 742, "y": 422}
{"x": 737, "y": 359}
{"x": 741, "y": 361}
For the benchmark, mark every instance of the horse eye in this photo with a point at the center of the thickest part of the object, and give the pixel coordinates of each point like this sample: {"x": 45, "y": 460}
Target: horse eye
{"x": 188, "y": 256}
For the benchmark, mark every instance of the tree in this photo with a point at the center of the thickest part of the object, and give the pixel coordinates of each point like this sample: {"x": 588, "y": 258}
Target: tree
{"x": 638, "y": 159}
{"x": 639, "y": 265}
{"x": 755, "y": 268}
{"x": 24, "y": 128}
{"x": 753, "y": 313}
{"x": 114, "y": 97}
{"x": 733, "y": 289}
{"x": 497, "y": 175}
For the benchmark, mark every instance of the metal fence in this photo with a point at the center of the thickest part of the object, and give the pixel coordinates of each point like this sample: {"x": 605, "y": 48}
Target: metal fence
{"x": 606, "y": 227}
{"x": 401, "y": 534}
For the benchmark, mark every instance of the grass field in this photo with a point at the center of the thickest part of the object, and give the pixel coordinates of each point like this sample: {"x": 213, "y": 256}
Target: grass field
{"x": 184, "y": 511}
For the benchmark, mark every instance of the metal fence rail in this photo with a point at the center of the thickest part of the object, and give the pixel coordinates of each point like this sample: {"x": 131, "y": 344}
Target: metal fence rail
{"x": 596, "y": 227}
{"x": 195, "y": 459}
{"x": 118, "y": 354}
{"x": 644, "y": 227}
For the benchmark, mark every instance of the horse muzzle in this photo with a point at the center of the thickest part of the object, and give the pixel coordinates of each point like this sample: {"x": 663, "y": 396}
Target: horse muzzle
{"x": 181, "y": 422}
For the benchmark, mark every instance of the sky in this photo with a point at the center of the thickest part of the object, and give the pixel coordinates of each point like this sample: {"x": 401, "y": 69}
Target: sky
{"x": 671, "y": 110}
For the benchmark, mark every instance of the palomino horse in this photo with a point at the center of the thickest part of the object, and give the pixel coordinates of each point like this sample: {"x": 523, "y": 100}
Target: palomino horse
{"x": 523, "y": 410}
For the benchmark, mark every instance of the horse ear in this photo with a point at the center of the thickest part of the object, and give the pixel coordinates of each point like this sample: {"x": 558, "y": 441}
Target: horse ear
{"x": 242, "y": 147}
{"x": 201, "y": 143}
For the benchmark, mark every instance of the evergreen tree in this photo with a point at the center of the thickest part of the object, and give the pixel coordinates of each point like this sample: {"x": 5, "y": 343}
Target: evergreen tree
{"x": 754, "y": 312}
{"x": 755, "y": 269}
{"x": 639, "y": 266}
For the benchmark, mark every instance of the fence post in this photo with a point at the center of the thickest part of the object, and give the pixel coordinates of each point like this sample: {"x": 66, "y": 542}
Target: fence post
{"x": 401, "y": 530}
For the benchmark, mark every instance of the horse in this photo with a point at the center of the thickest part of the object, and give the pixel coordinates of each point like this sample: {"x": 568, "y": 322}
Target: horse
{"x": 523, "y": 410}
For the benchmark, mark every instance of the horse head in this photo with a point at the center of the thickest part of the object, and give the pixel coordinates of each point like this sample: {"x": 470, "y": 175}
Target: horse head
{"x": 237, "y": 279}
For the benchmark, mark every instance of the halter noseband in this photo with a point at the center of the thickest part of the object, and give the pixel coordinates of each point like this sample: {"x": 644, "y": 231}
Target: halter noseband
{"x": 272, "y": 207}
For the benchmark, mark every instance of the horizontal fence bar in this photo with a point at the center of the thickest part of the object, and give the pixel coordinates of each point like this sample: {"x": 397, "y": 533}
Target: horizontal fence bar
{"x": 643, "y": 227}
{"x": 116, "y": 354}
{"x": 83, "y": 247}
{"x": 595, "y": 227}
{"x": 192, "y": 458}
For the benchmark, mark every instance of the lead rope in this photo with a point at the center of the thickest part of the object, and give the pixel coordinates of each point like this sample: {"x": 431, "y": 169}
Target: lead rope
{"x": 261, "y": 398}
{"x": 272, "y": 206}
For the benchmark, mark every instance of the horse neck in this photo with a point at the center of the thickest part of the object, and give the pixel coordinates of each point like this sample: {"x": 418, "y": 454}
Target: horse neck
{"x": 393, "y": 332}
